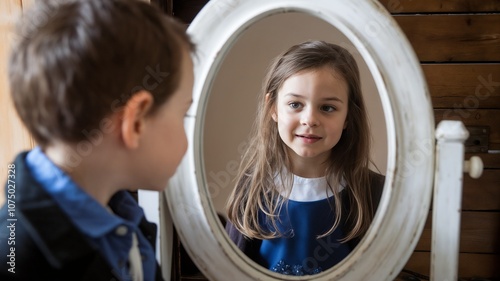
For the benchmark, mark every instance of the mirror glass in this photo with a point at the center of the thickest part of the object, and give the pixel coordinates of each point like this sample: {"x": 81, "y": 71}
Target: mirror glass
{"x": 232, "y": 103}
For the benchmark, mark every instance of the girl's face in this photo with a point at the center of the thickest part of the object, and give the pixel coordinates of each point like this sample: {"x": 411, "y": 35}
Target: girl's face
{"x": 311, "y": 110}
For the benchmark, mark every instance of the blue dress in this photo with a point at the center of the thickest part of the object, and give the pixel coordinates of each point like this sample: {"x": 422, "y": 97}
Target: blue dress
{"x": 307, "y": 214}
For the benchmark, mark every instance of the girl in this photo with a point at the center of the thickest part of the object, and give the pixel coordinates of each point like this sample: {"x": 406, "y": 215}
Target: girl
{"x": 304, "y": 195}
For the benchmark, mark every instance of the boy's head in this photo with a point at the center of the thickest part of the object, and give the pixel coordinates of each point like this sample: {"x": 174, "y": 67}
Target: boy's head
{"x": 78, "y": 62}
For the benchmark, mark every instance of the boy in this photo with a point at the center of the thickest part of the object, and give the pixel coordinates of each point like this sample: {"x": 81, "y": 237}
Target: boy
{"x": 103, "y": 86}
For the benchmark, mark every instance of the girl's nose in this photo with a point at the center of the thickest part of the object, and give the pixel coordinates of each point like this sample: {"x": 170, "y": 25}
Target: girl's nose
{"x": 309, "y": 118}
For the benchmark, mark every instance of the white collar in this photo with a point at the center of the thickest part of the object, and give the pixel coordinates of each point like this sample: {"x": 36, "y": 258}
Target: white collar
{"x": 307, "y": 189}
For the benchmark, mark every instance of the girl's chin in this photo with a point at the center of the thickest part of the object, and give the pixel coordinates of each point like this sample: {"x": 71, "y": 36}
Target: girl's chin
{"x": 308, "y": 154}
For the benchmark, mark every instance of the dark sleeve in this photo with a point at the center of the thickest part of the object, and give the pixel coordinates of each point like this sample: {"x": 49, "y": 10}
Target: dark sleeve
{"x": 250, "y": 247}
{"x": 236, "y": 236}
{"x": 376, "y": 187}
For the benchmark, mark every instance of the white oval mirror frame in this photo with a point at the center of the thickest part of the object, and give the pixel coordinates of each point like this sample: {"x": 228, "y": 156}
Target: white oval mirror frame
{"x": 410, "y": 128}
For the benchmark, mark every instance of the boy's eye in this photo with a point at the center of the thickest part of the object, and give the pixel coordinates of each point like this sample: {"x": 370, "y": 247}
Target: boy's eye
{"x": 294, "y": 105}
{"x": 328, "y": 108}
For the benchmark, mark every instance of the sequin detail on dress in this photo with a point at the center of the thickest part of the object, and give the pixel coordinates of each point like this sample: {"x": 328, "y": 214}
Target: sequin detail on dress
{"x": 296, "y": 270}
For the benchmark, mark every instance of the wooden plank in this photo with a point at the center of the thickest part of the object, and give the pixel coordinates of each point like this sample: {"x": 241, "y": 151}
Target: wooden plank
{"x": 479, "y": 232}
{"x": 15, "y": 137}
{"x": 474, "y": 117}
{"x": 451, "y": 38}
{"x": 463, "y": 85}
{"x": 441, "y": 6}
{"x": 470, "y": 265}
{"x": 483, "y": 193}
{"x": 186, "y": 10}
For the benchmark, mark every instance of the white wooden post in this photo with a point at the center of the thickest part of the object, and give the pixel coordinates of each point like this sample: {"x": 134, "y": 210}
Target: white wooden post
{"x": 447, "y": 200}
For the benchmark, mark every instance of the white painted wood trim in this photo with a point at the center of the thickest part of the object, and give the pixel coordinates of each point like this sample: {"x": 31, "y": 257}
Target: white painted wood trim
{"x": 447, "y": 201}
{"x": 410, "y": 123}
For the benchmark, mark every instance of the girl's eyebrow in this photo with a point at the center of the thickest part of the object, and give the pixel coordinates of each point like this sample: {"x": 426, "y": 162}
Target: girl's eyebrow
{"x": 332, "y": 98}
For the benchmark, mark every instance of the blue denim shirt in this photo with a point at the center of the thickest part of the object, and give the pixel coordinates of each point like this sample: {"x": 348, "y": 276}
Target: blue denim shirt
{"x": 110, "y": 233}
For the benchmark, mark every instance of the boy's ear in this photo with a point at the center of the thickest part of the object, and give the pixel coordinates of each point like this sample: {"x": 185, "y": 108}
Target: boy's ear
{"x": 133, "y": 119}
{"x": 273, "y": 114}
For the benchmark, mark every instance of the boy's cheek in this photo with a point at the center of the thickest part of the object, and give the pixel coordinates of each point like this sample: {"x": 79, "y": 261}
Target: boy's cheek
{"x": 184, "y": 142}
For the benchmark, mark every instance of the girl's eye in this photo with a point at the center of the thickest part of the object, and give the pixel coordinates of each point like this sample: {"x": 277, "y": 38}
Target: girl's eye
{"x": 327, "y": 108}
{"x": 294, "y": 105}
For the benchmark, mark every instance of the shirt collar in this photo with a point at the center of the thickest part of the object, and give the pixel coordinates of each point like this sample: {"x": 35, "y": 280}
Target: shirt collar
{"x": 90, "y": 217}
{"x": 302, "y": 189}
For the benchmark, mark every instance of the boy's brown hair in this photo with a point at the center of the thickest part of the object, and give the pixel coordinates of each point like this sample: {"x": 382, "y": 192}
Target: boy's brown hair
{"x": 78, "y": 61}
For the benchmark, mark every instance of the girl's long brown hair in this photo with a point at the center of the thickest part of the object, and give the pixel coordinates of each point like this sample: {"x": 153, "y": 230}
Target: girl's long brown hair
{"x": 266, "y": 156}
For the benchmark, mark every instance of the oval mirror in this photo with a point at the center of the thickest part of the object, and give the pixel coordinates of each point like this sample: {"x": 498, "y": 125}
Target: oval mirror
{"x": 371, "y": 34}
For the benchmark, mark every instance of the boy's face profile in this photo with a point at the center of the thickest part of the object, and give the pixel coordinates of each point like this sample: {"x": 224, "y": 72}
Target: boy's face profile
{"x": 310, "y": 111}
{"x": 164, "y": 141}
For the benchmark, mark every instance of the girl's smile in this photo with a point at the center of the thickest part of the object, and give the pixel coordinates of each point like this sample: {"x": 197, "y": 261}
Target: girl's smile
{"x": 307, "y": 138}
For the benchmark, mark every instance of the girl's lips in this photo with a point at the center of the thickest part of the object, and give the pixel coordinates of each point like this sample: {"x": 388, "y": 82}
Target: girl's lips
{"x": 309, "y": 138}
